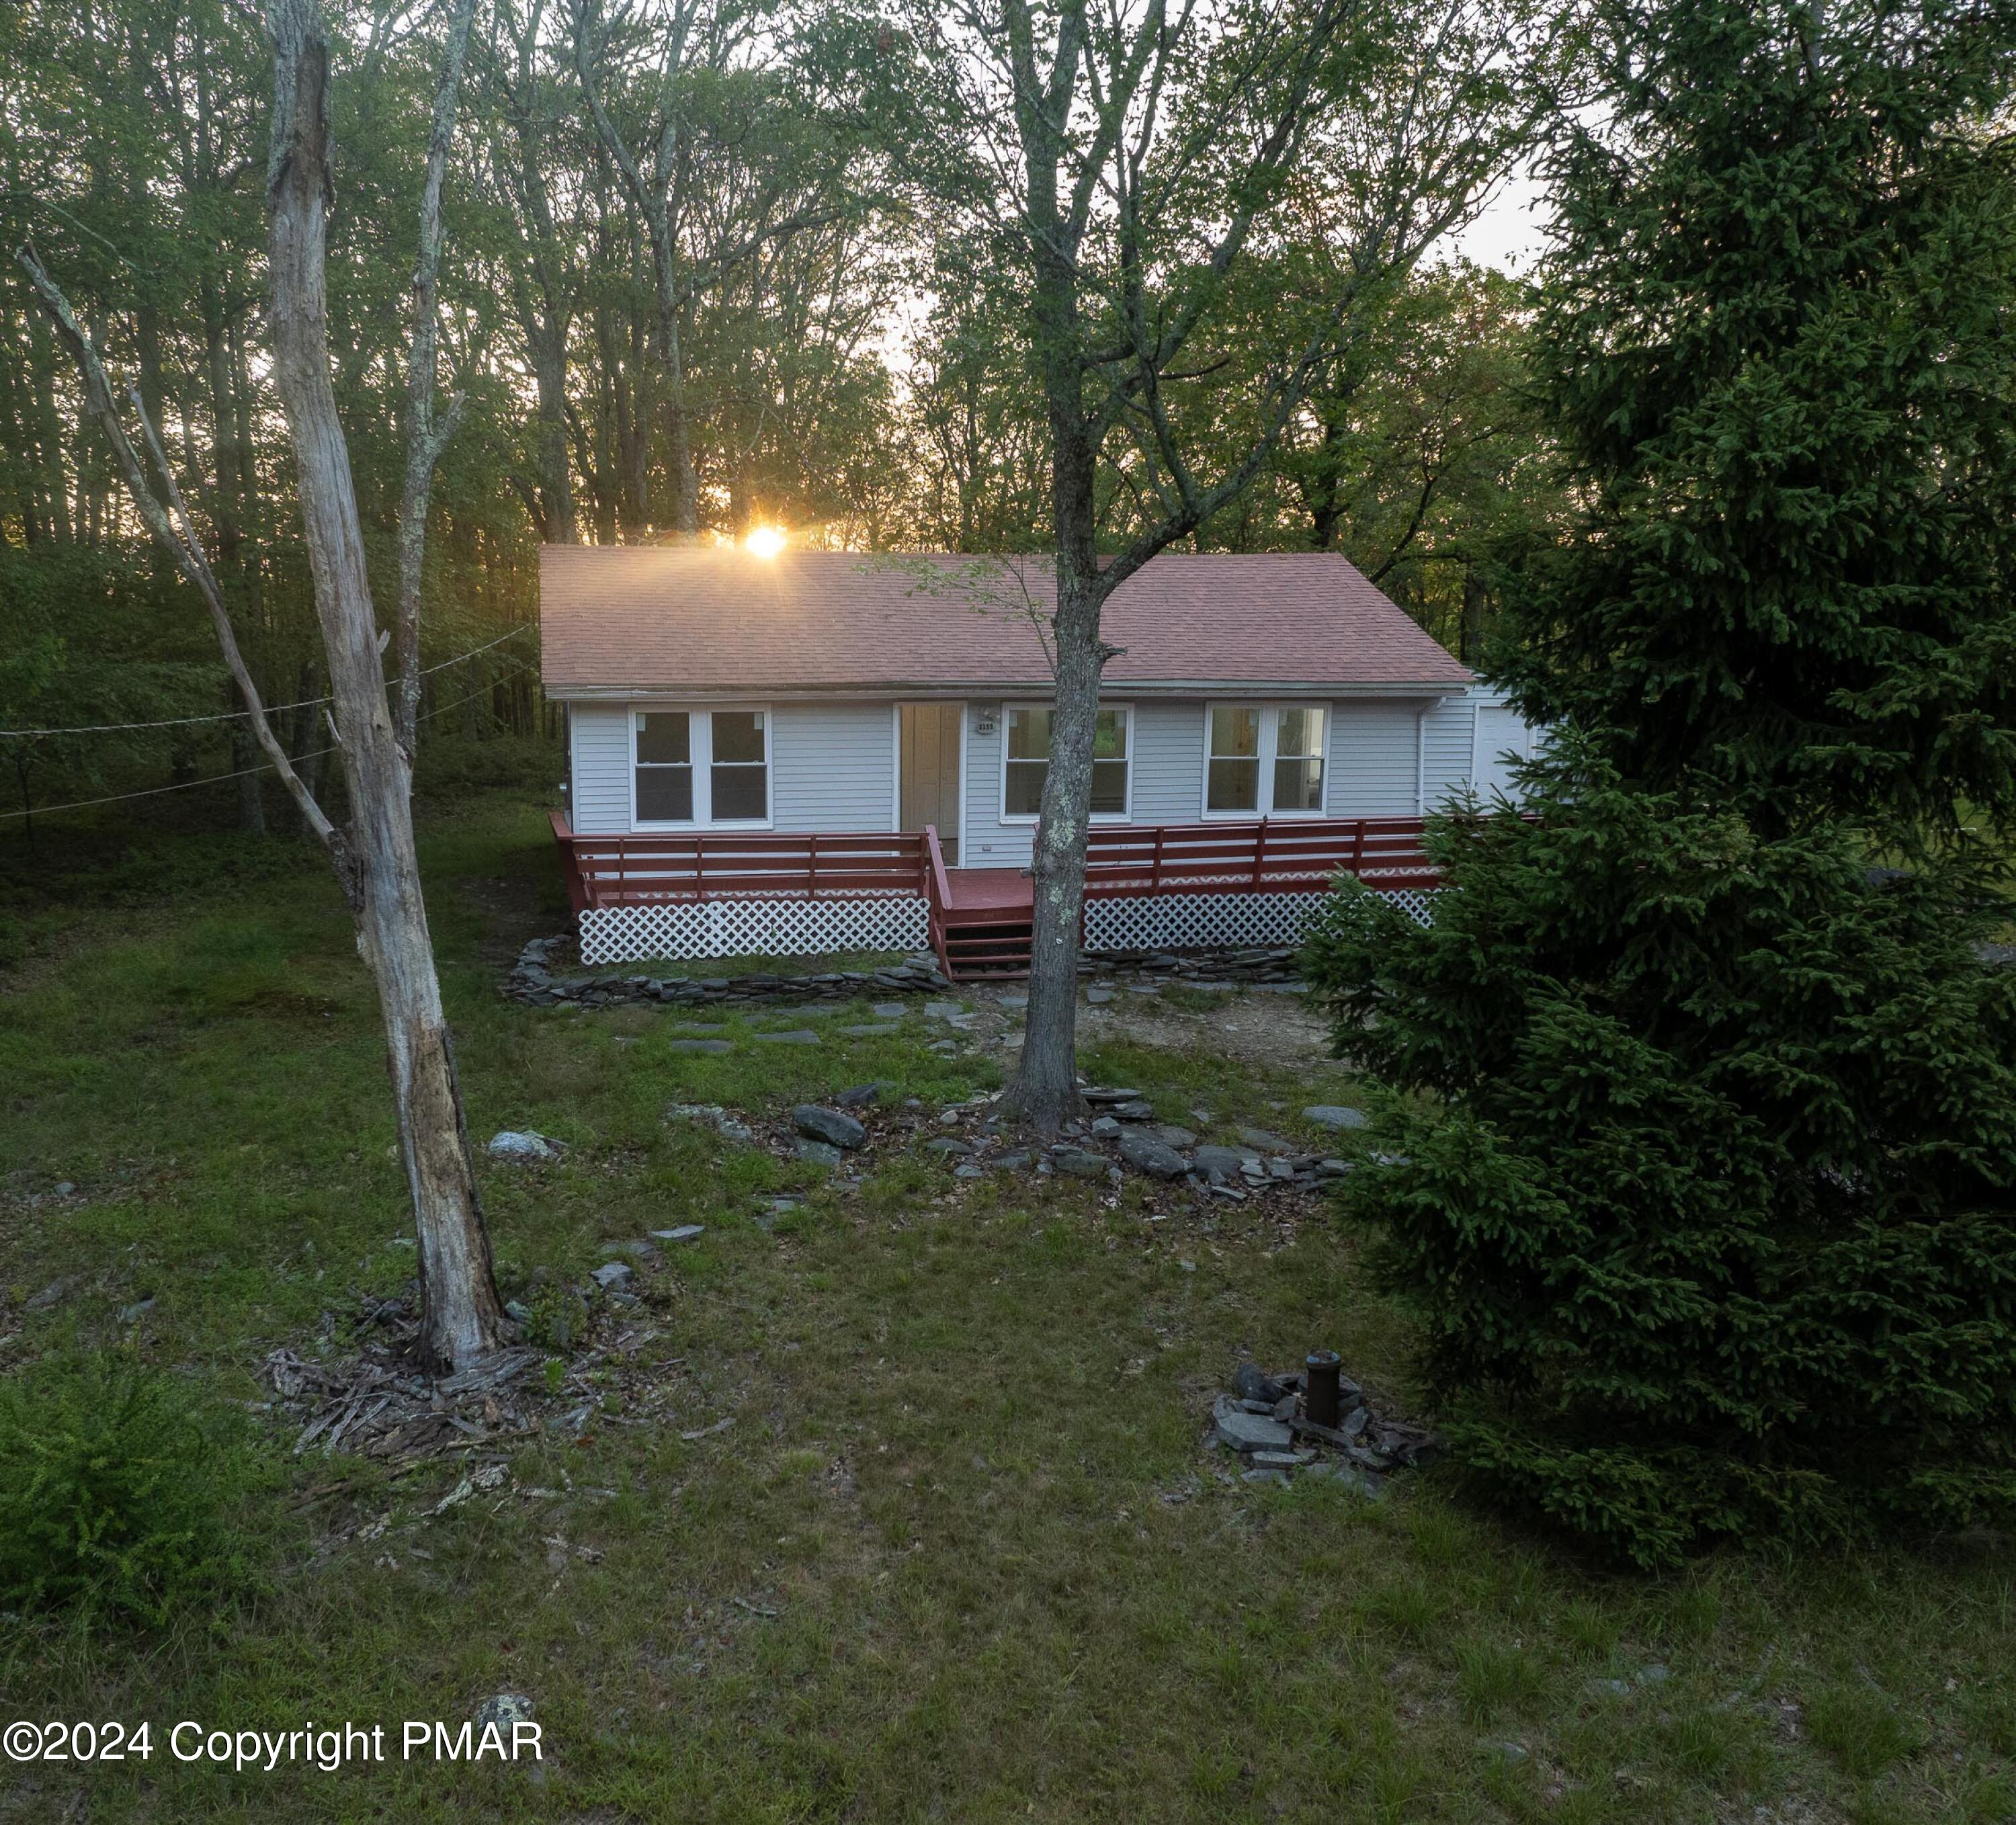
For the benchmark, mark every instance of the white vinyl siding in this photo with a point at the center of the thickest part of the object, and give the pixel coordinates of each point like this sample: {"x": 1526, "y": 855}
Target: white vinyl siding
{"x": 1374, "y": 758}
{"x": 1168, "y": 761}
{"x": 600, "y": 737}
{"x": 1447, "y": 728}
{"x": 986, "y": 841}
{"x": 833, "y": 767}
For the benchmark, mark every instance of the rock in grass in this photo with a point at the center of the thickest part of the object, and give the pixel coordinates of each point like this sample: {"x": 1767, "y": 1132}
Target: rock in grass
{"x": 1146, "y": 1153}
{"x": 613, "y": 1276}
{"x": 1253, "y": 1383}
{"x": 834, "y": 1126}
{"x": 699, "y": 1046}
{"x": 818, "y": 1152}
{"x": 522, "y": 1144}
{"x": 1245, "y": 1432}
{"x": 799, "y": 1036}
{"x": 1079, "y": 1162}
{"x": 1261, "y": 1140}
{"x": 859, "y": 1097}
{"x": 502, "y": 1711}
{"x": 684, "y": 1232}
{"x": 1329, "y": 1115}
{"x": 1224, "y": 1162}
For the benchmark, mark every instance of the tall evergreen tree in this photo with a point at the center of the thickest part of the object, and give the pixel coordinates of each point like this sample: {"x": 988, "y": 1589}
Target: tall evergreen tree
{"x": 1699, "y": 1158}
{"x": 1775, "y": 341}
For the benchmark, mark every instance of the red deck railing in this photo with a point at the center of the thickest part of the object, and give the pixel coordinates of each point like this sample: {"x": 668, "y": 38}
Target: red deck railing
{"x": 670, "y": 866}
{"x": 976, "y": 923}
{"x": 1271, "y": 856}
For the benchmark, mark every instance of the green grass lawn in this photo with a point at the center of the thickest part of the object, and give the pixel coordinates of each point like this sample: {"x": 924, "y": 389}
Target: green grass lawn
{"x": 962, "y": 1554}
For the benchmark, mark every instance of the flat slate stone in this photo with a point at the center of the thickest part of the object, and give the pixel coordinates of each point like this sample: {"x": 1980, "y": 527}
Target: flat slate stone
{"x": 818, "y": 1152}
{"x": 800, "y": 1036}
{"x": 1145, "y": 1153}
{"x": 1245, "y": 1432}
{"x": 700, "y": 1044}
{"x": 890, "y": 1010}
{"x": 1331, "y": 1115}
{"x": 1261, "y": 1140}
{"x": 876, "y": 1030}
{"x": 1079, "y": 1162}
{"x": 1171, "y": 1136}
{"x": 684, "y": 1232}
{"x": 859, "y": 1097}
{"x": 1228, "y": 1162}
{"x": 695, "y": 1030}
{"x": 1098, "y": 997}
{"x": 834, "y": 1126}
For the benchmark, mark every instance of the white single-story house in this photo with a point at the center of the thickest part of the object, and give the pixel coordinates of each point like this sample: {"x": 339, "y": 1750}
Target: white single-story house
{"x": 829, "y": 750}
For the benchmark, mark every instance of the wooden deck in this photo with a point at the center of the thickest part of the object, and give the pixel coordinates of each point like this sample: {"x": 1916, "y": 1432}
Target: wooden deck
{"x": 975, "y": 891}
{"x": 980, "y": 918}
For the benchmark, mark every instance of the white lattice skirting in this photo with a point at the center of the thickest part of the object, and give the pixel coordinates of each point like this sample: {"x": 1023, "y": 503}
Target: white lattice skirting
{"x": 754, "y": 928}
{"x": 1175, "y": 922}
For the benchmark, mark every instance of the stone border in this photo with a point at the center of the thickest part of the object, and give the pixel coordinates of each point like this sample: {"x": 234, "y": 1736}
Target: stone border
{"x": 1208, "y": 967}
{"x": 533, "y": 982}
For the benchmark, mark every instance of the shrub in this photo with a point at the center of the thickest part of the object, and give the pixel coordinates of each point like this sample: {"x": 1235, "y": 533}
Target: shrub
{"x": 1699, "y": 1162}
{"x": 116, "y": 1488}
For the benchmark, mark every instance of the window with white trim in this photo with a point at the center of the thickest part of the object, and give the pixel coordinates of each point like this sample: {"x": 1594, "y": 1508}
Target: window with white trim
{"x": 1026, "y": 760}
{"x": 701, "y": 767}
{"x": 664, "y": 767}
{"x": 1264, "y": 760}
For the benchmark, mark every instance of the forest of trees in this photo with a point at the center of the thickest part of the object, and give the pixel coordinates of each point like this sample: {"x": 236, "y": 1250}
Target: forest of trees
{"x": 706, "y": 264}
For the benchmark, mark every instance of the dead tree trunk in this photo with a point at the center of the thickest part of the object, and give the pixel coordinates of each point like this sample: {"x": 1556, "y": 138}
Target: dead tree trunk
{"x": 461, "y": 1318}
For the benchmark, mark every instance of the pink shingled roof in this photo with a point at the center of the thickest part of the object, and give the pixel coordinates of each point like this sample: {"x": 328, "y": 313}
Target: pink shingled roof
{"x": 653, "y": 618}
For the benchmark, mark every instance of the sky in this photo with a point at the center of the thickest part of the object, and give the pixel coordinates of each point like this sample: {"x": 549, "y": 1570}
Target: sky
{"x": 1508, "y": 233}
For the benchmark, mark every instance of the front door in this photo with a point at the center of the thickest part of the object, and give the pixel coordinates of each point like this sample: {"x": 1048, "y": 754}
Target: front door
{"x": 927, "y": 771}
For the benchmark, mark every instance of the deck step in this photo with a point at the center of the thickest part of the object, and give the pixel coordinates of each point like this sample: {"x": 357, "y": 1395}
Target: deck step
{"x": 993, "y": 949}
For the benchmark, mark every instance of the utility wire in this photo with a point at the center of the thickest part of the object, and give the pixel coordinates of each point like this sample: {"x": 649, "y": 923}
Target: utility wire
{"x": 43, "y": 811}
{"x": 232, "y": 715}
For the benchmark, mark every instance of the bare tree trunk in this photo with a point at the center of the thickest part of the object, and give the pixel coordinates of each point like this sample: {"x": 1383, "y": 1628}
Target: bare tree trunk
{"x": 244, "y": 763}
{"x": 1045, "y": 1090}
{"x": 461, "y": 1318}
